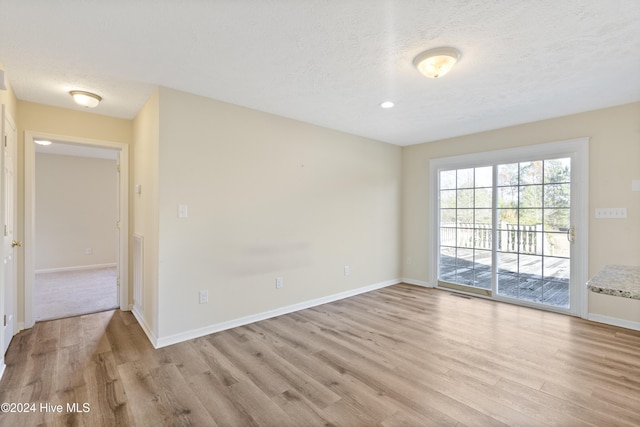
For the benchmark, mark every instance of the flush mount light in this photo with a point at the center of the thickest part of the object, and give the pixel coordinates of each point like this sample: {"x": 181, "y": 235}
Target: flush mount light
{"x": 387, "y": 104}
{"x": 86, "y": 99}
{"x": 42, "y": 142}
{"x": 437, "y": 62}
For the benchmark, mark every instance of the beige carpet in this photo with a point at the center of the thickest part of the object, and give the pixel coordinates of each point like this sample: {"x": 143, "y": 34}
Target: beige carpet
{"x": 72, "y": 293}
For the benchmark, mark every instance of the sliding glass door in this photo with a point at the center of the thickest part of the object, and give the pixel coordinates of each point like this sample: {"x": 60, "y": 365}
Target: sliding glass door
{"x": 504, "y": 228}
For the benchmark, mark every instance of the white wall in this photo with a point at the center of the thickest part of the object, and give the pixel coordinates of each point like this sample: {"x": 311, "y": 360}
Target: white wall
{"x": 267, "y": 196}
{"x": 76, "y": 209}
{"x": 614, "y": 161}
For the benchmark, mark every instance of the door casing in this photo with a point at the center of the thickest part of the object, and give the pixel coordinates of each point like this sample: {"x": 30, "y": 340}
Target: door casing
{"x": 29, "y": 214}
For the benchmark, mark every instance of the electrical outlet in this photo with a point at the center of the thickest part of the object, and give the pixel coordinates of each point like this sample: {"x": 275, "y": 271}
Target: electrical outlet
{"x": 346, "y": 270}
{"x": 279, "y": 282}
{"x": 204, "y": 297}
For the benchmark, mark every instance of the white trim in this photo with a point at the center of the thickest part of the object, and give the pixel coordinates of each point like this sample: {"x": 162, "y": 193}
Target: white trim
{"x": 29, "y": 214}
{"x": 578, "y": 149}
{"x": 417, "y": 282}
{"x": 195, "y": 333}
{"x": 147, "y": 330}
{"x": 76, "y": 268}
{"x": 628, "y": 324}
{"x": 3, "y": 367}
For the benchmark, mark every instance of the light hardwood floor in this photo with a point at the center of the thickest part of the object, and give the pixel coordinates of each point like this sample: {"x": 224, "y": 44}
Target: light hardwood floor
{"x": 402, "y": 355}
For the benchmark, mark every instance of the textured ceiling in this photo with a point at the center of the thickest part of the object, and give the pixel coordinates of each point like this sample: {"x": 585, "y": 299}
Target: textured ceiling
{"x": 332, "y": 62}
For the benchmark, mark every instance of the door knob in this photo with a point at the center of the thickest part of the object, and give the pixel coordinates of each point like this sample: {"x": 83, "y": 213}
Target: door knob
{"x": 15, "y": 243}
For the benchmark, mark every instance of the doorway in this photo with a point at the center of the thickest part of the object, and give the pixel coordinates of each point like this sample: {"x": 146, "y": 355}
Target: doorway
{"x": 511, "y": 226}
{"x": 121, "y": 222}
{"x": 75, "y": 230}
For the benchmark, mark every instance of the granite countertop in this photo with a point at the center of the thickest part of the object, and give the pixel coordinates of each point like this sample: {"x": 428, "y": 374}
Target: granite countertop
{"x": 617, "y": 280}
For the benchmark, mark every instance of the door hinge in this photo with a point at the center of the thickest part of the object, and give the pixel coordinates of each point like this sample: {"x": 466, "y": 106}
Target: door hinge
{"x": 6, "y": 232}
{"x": 5, "y": 320}
{"x": 118, "y": 225}
{"x": 118, "y": 167}
{"x": 118, "y": 281}
{"x": 5, "y": 140}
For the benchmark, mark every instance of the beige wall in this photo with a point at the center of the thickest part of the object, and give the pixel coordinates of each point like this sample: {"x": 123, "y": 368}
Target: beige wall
{"x": 614, "y": 160}
{"x": 145, "y": 205}
{"x": 76, "y": 209}
{"x": 53, "y": 120}
{"x": 267, "y": 196}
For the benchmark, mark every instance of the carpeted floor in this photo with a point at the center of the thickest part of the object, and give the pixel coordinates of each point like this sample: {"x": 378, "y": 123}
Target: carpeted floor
{"x": 72, "y": 293}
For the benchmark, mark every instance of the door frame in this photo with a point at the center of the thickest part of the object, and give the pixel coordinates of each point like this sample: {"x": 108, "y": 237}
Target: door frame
{"x": 29, "y": 214}
{"x": 579, "y": 149}
{"x": 5, "y": 116}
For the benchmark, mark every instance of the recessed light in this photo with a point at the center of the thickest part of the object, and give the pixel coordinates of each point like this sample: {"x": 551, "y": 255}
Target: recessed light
{"x": 42, "y": 142}
{"x": 387, "y": 104}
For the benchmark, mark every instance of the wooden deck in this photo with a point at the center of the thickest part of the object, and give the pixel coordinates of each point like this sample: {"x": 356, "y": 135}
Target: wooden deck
{"x": 552, "y": 289}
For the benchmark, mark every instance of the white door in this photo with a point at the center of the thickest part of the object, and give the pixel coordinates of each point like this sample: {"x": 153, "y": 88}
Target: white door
{"x": 9, "y": 238}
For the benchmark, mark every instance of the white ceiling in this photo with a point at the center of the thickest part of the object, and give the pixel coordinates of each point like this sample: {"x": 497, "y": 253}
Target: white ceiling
{"x": 333, "y": 62}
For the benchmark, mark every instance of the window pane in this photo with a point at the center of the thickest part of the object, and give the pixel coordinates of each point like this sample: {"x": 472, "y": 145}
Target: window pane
{"x": 508, "y": 197}
{"x": 465, "y": 199}
{"x": 557, "y": 244}
{"x": 530, "y": 265}
{"x": 530, "y": 241}
{"x": 531, "y": 172}
{"x": 507, "y": 216}
{"x": 465, "y": 178}
{"x": 508, "y": 239}
{"x": 484, "y": 177}
{"x": 465, "y": 218}
{"x": 557, "y": 170}
{"x": 483, "y": 198}
{"x": 557, "y": 195}
{"x": 482, "y": 237}
{"x": 448, "y": 236}
{"x": 531, "y": 196}
{"x": 507, "y": 263}
{"x": 556, "y": 219}
{"x": 448, "y": 199}
{"x": 530, "y": 216}
{"x": 447, "y": 217}
{"x": 447, "y": 180}
{"x": 483, "y": 217}
{"x": 464, "y": 237}
{"x": 508, "y": 175}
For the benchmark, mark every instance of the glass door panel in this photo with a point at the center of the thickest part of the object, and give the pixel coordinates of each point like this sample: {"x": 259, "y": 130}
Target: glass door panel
{"x": 528, "y": 241}
{"x": 533, "y": 213}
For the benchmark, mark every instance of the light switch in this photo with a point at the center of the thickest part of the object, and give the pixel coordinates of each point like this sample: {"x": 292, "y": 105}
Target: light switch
{"x": 635, "y": 185}
{"x": 611, "y": 213}
{"x": 182, "y": 211}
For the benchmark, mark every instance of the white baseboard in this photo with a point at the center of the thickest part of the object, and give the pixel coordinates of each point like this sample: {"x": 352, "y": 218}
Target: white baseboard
{"x": 614, "y": 321}
{"x": 416, "y": 282}
{"x": 76, "y": 268}
{"x": 147, "y": 330}
{"x": 195, "y": 333}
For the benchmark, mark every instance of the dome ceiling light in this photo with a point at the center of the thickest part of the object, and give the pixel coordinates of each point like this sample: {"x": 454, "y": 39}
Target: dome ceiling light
{"x": 437, "y": 62}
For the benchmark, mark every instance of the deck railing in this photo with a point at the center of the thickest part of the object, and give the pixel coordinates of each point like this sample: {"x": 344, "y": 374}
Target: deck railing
{"x": 511, "y": 237}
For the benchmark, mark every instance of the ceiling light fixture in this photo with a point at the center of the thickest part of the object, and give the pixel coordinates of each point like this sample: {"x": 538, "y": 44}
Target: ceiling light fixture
{"x": 437, "y": 62}
{"x": 86, "y": 99}
{"x": 387, "y": 104}
{"x": 42, "y": 142}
